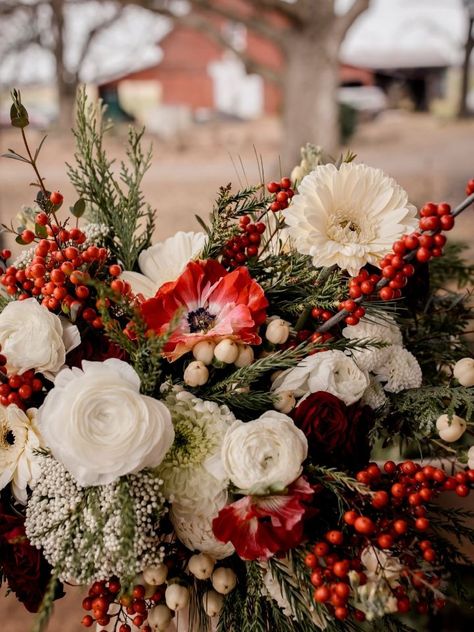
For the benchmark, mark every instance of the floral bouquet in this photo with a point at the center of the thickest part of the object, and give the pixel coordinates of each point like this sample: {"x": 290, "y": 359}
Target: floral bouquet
{"x": 187, "y": 426}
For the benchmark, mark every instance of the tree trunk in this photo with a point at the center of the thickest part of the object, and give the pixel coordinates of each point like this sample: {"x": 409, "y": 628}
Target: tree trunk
{"x": 66, "y": 82}
{"x": 466, "y": 68}
{"x": 310, "y": 109}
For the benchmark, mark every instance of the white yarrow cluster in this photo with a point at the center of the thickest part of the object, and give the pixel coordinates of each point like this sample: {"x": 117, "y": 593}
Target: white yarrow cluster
{"x": 82, "y": 529}
{"x": 96, "y": 234}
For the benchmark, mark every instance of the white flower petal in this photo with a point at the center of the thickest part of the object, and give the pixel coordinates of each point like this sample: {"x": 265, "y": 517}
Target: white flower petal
{"x": 348, "y": 216}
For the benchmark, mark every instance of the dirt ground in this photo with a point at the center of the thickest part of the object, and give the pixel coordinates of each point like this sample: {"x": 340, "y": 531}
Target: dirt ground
{"x": 431, "y": 159}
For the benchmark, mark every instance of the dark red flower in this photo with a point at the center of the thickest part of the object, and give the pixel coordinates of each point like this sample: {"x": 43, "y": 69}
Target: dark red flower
{"x": 214, "y": 304}
{"x": 260, "y": 526}
{"x": 338, "y": 435}
{"x": 24, "y": 567}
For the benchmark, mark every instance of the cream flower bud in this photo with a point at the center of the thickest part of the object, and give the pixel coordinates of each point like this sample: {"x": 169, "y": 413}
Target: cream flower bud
{"x": 212, "y": 603}
{"x": 201, "y": 565}
{"x": 196, "y": 373}
{"x": 159, "y": 618}
{"x": 277, "y": 331}
{"x": 204, "y": 351}
{"x": 470, "y": 458}
{"x": 245, "y": 357}
{"x": 285, "y": 401}
{"x": 226, "y": 351}
{"x": 450, "y": 430}
{"x": 464, "y": 371}
{"x": 224, "y": 580}
{"x": 176, "y": 597}
{"x": 155, "y": 575}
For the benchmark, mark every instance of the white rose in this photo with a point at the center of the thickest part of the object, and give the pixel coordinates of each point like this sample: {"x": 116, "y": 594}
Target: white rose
{"x": 19, "y": 438}
{"x": 32, "y": 337}
{"x": 164, "y": 262}
{"x": 331, "y": 371}
{"x": 96, "y": 422}
{"x": 265, "y": 452}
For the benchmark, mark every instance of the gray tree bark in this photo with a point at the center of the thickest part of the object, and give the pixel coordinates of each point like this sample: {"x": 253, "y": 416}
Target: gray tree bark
{"x": 466, "y": 71}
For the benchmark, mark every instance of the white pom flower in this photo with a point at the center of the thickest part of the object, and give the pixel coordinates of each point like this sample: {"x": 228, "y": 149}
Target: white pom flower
{"x": 164, "y": 262}
{"x": 374, "y": 395}
{"x": 19, "y": 438}
{"x": 348, "y": 216}
{"x": 264, "y": 453}
{"x": 400, "y": 372}
{"x": 96, "y": 422}
{"x": 32, "y": 337}
{"x": 194, "y": 529}
{"x": 331, "y": 371}
{"x": 192, "y": 471}
{"x": 377, "y": 329}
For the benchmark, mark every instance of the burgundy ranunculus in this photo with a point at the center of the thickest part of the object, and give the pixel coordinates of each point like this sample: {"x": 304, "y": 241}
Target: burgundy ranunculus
{"x": 24, "y": 567}
{"x": 338, "y": 435}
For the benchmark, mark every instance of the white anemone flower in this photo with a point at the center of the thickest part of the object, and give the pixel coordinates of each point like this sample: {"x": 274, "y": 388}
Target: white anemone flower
{"x": 164, "y": 262}
{"x": 19, "y": 438}
{"x": 348, "y": 216}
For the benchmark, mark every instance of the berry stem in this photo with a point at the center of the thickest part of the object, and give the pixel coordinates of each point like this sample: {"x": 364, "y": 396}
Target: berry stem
{"x": 337, "y": 318}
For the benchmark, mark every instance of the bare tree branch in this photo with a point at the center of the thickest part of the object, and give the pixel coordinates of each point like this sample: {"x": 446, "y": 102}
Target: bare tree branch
{"x": 345, "y": 21}
{"x": 102, "y": 26}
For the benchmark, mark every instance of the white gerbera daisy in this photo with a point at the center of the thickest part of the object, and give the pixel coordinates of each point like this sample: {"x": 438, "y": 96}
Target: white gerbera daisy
{"x": 348, "y": 216}
{"x": 164, "y": 262}
{"x": 19, "y": 438}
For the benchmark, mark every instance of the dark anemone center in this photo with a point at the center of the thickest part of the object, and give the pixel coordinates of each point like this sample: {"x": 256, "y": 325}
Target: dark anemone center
{"x": 10, "y": 438}
{"x": 200, "y": 320}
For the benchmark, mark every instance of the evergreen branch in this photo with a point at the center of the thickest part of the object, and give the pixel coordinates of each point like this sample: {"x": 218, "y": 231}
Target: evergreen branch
{"x": 118, "y": 203}
{"x": 46, "y": 609}
{"x": 227, "y": 208}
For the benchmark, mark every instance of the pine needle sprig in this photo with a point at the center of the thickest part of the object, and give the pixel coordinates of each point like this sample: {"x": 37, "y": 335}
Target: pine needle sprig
{"x": 413, "y": 413}
{"x": 46, "y": 608}
{"x": 227, "y": 208}
{"x": 116, "y": 202}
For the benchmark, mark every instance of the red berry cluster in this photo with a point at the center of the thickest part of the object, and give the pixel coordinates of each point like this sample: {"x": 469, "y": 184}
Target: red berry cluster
{"x": 395, "y": 266}
{"x": 394, "y": 518}
{"x": 60, "y": 271}
{"x": 282, "y": 193}
{"x": 18, "y": 389}
{"x": 356, "y": 311}
{"x": 470, "y": 187}
{"x": 330, "y": 569}
{"x": 245, "y": 246}
{"x": 133, "y": 607}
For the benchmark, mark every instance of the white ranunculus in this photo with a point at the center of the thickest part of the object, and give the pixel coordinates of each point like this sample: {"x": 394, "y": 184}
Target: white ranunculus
{"x": 19, "y": 438}
{"x": 32, "y": 337}
{"x": 348, "y": 216}
{"x": 164, "y": 262}
{"x": 331, "y": 371}
{"x": 265, "y": 453}
{"x": 99, "y": 426}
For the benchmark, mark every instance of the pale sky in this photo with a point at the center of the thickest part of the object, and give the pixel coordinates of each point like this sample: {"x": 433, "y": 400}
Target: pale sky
{"x": 390, "y": 33}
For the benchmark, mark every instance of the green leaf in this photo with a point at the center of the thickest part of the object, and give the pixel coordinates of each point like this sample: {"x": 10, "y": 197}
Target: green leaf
{"x": 14, "y": 157}
{"x": 20, "y": 241}
{"x": 41, "y": 231}
{"x": 203, "y": 224}
{"x": 19, "y": 115}
{"x": 79, "y": 208}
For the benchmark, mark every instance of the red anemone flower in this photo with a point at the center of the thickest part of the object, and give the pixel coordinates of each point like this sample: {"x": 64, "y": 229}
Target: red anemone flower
{"x": 215, "y": 304}
{"x": 261, "y": 526}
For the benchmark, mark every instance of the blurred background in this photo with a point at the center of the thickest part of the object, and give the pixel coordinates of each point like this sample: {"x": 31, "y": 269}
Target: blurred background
{"x": 220, "y": 83}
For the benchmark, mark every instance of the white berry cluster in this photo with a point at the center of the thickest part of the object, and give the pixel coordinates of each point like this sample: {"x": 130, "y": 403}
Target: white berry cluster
{"x": 93, "y": 533}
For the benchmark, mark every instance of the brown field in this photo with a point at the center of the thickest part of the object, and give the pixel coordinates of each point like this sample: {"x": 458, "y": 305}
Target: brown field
{"x": 431, "y": 159}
